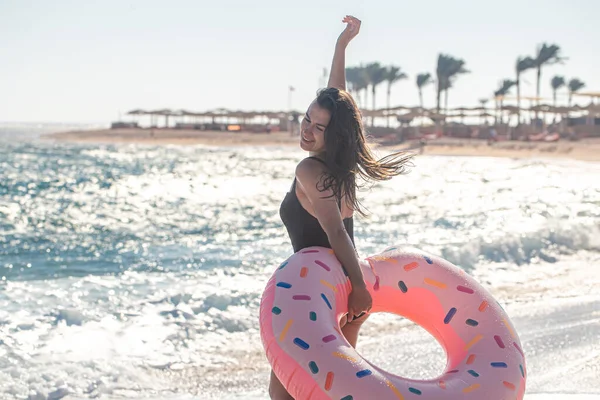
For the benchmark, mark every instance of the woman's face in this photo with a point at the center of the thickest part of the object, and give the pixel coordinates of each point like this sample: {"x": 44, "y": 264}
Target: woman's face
{"x": 312, "y": 128}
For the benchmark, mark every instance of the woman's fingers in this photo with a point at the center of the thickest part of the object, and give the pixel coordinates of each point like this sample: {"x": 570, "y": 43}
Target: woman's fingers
{"x": 350, "y": 315}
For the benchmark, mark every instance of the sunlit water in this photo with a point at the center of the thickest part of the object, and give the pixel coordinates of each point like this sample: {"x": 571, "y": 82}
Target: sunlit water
{"x": 136, "y": 271}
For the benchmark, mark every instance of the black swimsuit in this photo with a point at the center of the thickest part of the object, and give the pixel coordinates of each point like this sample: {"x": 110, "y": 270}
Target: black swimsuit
{"x": 304, "y": 229}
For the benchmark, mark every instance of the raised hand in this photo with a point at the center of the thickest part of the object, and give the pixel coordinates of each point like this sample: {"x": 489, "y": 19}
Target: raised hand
{"x": 351, "y": 30}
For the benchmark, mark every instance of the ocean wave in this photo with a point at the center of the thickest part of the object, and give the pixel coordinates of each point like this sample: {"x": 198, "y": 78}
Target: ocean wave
{"x": 545, "y": 244}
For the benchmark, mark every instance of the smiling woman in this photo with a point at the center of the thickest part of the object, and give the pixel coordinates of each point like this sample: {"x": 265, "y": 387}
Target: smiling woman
{"x": 313, "y": 127}
{"x": 319, "y": 209}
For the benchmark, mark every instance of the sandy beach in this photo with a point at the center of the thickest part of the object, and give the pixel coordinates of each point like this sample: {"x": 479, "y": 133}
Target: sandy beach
{"x": 585, "y": 149}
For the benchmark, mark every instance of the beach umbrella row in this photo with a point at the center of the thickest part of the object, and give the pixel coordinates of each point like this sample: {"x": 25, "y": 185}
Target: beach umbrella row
{"x": 402, "y": 113}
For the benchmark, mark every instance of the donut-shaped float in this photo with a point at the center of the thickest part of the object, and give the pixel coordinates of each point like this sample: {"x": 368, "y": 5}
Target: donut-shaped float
{"x": 307, "y": 296}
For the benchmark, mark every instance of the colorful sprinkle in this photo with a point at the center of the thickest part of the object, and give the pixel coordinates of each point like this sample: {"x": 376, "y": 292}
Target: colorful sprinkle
{"x": 344, "y": 356}
{"x": 363, "y": 373}
{"x": 473, "y": 341}
{"x": 390, "y": 249}
{"x": 435, "y": 283}
{"x": 509, "y": 385}
{"x": 428, "y": 260}
{"x": 396, "y": 391}
{"x": 452, "y": 372}
{"x": 384, "y": 258}
{"x": 301, "y": 343}
{"x": 326, "y": 301}
{"x": 303, "y": 272}
{"x": 442, "y": 384}
{"x": 329, "y": 380}
{"x": 323, "y": 265}
{"x": 415, "y": 391}
{"x": 519, "y": 349}
{"x": 313, "y": 367}
{"x": 301, "y": 297}
{"x": 450, "y": 315}
{"x": 465, "y": 289}
{"x": 522, "y": 372}
{"x": 347, "y": 398}
{"x": 499, "y": 341}
{"x": 471, "y": 322}
{"x": 411, "y": 266}
{"x": 475, "y": 374}
{"x": 310, "y": 251}
{"x": 284, "y": 285}
{"x": 329, "y": 285}
{"x": 276, "y": 310}
{"x": 499, "y": 365}
{"x": 512, "y": 333}
{"x": 471, "y": 388}
{"x": 328, "y": 338}
{"x": 376, "y": 285}
{"x": 483, "y": 306}
{"x": 402, "y": 286}
{"x": 285, "y": 330}
{"x": 283, "y": 265}
{"x": 312, "y": 315}
{"x": 471, "y": 359}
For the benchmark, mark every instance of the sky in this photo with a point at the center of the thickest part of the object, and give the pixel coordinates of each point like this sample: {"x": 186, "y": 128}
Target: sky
{"x": 77, "y": 61}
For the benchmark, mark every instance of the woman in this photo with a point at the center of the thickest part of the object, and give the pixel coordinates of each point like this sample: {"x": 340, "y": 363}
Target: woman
{"x": 319, "y": 208}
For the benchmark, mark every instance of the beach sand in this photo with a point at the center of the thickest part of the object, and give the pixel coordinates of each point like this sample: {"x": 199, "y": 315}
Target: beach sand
{"x": 585, "y": 149}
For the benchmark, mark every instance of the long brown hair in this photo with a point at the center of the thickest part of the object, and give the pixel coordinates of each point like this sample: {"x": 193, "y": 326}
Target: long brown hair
{"x": 347, "y": 154}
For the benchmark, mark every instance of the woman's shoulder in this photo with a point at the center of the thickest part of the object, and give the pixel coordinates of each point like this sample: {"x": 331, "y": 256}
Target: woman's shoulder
{"x": 310, "y": 169}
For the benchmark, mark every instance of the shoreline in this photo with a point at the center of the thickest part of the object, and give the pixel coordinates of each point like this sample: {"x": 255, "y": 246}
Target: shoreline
{"x": 583, "y": 150}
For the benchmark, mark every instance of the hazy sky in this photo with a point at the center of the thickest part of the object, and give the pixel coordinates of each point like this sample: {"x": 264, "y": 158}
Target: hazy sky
{"x": 86, "y": 61}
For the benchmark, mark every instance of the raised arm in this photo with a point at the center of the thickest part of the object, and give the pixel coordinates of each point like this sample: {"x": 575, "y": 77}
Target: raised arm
{"x": 337, "y": 75}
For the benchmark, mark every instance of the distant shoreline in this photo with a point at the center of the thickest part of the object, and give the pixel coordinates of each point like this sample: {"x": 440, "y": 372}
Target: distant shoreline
{"x": 585, "y": 150}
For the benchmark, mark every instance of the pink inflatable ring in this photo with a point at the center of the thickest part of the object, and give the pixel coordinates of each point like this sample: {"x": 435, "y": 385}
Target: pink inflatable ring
{"x": 307, "y": 296}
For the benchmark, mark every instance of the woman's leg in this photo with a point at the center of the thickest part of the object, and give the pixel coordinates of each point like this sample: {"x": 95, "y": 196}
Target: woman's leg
{"x": 276, "y": 389}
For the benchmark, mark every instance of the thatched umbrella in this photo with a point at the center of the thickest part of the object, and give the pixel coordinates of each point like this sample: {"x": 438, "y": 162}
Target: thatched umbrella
{"x": 165, "y": 112}
{"x": 435, "y": 116}
{"x": 137, "y": 112}
{"x": 408, "y": 117}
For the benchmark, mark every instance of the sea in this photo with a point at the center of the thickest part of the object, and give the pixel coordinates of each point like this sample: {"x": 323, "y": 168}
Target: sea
{"x": 134, "y": 271}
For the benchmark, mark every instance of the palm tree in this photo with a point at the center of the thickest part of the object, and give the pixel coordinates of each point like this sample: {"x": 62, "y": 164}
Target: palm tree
{"x": 376, "y": 74}
{"x": 392, "y": 74}
{"x": 352, "y": 78}
{"x": 557, "y": 82}
{"x": 523, "y": 64}
{"x": 447, "y": 70}
{"x": 574, "y": 86}
{"x": 499, "y": 94}
{"x": 443, "y": 65}
{"x": 546, "y": 55}
{"x": 422, "y": 80}
{"x": 357, "y": 78}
